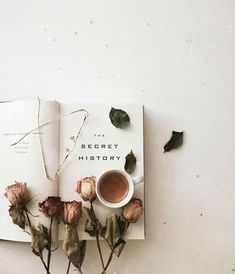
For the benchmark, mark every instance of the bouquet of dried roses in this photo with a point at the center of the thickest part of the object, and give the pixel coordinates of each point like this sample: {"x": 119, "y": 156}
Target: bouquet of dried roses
{"x": 41, "y": 237}
{"x": 116, "y": 226}
{"x": 70, "y": 212}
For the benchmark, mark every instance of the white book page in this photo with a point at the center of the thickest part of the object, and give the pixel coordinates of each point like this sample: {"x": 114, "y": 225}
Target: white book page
{"x": 101, "y": 146}
{"x": 23, "y": 162}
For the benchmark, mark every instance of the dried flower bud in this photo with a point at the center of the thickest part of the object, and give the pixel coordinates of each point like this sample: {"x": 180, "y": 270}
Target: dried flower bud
{"x": 52, "y": 206}
{"x": 17, "y": 194}
{"x": 132, "y": 211}
{"x": 86, "y": 188}
{"x": 72, "y": 212}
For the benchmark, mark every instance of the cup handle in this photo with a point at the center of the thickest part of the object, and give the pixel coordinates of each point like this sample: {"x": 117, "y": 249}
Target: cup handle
{"x": 138, "y": 180}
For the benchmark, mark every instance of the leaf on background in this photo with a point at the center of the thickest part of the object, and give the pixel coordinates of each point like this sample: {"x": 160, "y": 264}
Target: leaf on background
{"x": 72, "y": 247}
{"x": 40, "y": 239}
{"x": 130, "y": 163}
{"x": 119, "y": 118}
{"x": 91, "y": 222}
{"x": 17, "y": 215}
{"x": 175, "y": 141}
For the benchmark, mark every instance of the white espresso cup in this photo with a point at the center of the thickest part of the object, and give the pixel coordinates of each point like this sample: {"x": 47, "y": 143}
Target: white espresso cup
{"x": 115, "y": 188}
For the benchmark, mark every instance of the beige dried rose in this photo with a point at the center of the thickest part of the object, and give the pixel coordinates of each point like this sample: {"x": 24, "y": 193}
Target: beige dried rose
{"x": 86, "y": 188}
{"x": 133, "y": 210}
{"x": 72, "y": 212}
{"x": 17, "y": 194}
{"x": 52, "y": 206}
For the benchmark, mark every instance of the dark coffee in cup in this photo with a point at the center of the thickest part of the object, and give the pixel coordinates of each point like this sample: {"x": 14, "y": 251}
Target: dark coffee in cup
{"x": 114, "y": 187}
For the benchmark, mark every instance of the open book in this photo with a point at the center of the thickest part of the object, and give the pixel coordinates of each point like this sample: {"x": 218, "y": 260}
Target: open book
{"x": 37, "y": 157}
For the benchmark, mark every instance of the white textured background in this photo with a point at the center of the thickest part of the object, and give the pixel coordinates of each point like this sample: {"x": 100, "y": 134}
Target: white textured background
{"x": 175, "y": 57}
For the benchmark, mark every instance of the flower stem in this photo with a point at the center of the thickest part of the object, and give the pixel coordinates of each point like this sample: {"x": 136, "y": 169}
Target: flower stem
{"x": 109, "y": 261}
{"x": 99, "y": 248}
{"x": 30, "y": 225}
{"x": 44, "y": 264}
{"x": 113, "y": 250}
{"x": 49, "y": 245}
{"x": 69, "y": 264}
{"x": 98, "y": 240}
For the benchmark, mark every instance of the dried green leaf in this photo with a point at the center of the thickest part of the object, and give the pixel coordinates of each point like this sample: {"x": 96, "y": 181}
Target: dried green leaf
{"x": 119, "y": 247}
{"x": 90, "y": 228}
{"x": 119, "y": 118}
{"x": 82, "y": 251}
{"x": 123, "y": 225}
{"x": 91, "y": 224}
{"x": 130, "y": 163}
{"x": 71, "y": 245}
{"x": 40, "y": 239}
{"x": 112, "y": 232}
{"x": 175, "y": 141}
{"x": 17, "y": 215}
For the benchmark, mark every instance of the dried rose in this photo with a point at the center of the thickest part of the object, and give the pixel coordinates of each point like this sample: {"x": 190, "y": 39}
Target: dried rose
{"x": 86, "y": 188}
{"x": 72, "y": 212}
{"x": 132, "y": 211}
{"x": 17, "y": 194}
{"x": 52, "y": 206}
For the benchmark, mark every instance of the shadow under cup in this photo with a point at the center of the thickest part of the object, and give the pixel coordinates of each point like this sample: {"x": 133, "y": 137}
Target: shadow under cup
{"x": 114, "y": 188}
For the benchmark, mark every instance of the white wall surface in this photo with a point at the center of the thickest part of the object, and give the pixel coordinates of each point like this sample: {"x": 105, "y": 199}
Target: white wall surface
{"x": 175, "y": 57}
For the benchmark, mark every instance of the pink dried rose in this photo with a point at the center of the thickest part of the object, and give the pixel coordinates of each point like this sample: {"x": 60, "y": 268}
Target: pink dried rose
{"x": 17, "y": 194}
{"x": 133, "y": 210}
{"x": 72, "y": 212}
{"x": 52, "y": 206}
{"x": 86, "y": 188}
